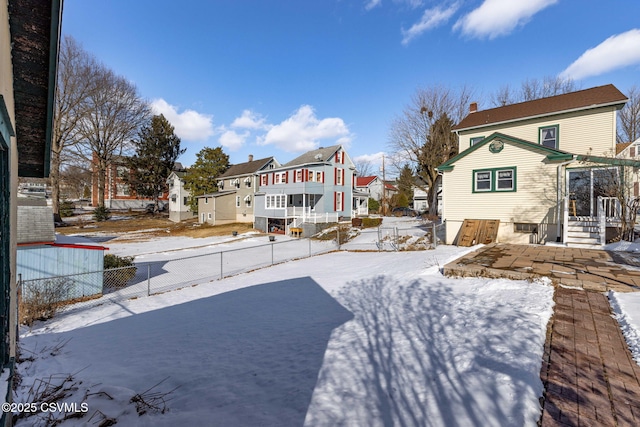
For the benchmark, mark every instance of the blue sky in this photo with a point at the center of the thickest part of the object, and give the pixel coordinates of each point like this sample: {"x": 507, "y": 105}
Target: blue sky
{"x": 282, "y": 77}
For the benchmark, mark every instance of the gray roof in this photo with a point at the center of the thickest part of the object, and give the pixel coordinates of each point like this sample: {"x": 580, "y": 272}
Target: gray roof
{"x": 246, "y": 168}
{"x": 322, "y": 154}
{"x": 35, "y": 222}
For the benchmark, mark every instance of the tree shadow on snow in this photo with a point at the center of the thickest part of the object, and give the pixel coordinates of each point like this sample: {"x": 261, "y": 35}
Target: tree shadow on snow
{"x": 407, "y": 360}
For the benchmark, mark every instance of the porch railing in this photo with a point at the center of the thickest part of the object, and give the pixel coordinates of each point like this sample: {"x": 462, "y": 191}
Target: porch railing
{"x": 305, "y": 214}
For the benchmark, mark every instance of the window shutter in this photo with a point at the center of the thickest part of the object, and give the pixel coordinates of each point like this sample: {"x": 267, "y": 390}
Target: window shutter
{"x": 342, "y": 177}
{"x": 335, "y": 201}
{"x": 337, "y": 158}
{"x": 632, "y": 151}
{"x": 335, "y": 176}
{"x": 295, "y": 173}
{"x": 342, "y": 157}
{"x": 342, "y": 201}
{"x": 306, "y": 175}
{"x": 323, "y": 177}
{"x": 286, "y": 177}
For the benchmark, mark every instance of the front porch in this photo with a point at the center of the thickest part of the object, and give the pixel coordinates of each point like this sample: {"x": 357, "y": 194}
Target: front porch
{"x": 592, "y": 230}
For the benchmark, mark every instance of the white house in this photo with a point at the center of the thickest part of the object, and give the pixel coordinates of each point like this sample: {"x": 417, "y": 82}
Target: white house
{"x": 538, "y": 167}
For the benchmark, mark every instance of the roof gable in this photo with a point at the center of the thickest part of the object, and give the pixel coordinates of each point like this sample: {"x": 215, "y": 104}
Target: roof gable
{"x": 322, "y": 154}
{"x": 581, "y": 100}
{"x": 552, "y": 154}
{"x": 246, "y": 168}
{"x": 364, "y": 181}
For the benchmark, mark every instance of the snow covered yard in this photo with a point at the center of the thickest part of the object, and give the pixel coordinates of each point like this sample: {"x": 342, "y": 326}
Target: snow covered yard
{"x": 337, "y": 339}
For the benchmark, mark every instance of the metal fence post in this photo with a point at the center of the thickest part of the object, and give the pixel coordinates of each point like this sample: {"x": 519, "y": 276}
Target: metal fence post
{"x": 221, "y": 272}
{"x": 148, "y": 279}
{"x": 433, "y": 233}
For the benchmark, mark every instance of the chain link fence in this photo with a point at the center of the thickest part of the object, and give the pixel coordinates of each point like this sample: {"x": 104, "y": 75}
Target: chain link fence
{"x": 402, "y": 237}
{"x": 149, "y": 278}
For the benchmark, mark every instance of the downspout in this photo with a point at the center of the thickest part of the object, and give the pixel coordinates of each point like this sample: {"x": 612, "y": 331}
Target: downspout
{"x": 559, "y": 214}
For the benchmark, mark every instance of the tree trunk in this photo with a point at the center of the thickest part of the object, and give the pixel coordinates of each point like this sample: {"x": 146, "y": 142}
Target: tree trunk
{"x": 102, "y": 176}
{"x": 55, "y": 182}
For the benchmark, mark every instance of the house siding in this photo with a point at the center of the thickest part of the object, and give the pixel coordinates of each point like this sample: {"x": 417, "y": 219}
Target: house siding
{"x": 533, "y": 200}
{"x": 222, "y": 209}
{"x": 580, "y": 132}
{"x": 51, "y": 261}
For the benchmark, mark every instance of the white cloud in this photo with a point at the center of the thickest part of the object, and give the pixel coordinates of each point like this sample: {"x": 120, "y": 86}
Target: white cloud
{"x": 250, "y": 120}
{"x": 233, "y": 140}
{"x": 431, "y": 18}
{"x": 370, "y": 4}
{"x": 375, "y": 158}
{"x": 615, "y": 52}
{"x": 499, "y": 17}
{"x": 303, "y": 131}
{"x": 189, "y": 124}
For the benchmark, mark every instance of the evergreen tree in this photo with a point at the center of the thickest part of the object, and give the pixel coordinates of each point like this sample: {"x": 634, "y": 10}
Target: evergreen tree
{"x": 157, "y": 150}
{"x": 406, "y": 182}
{"x": 201, "y": 176}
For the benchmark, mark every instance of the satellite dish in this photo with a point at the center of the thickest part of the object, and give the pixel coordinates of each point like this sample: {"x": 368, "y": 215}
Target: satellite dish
{"x": 318, "y": 156}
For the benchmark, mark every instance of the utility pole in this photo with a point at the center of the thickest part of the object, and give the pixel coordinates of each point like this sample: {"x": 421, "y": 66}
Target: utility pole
{"x": 384, "y": 189}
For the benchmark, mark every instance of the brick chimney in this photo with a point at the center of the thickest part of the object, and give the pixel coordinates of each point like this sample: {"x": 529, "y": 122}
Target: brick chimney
{"x": 251, "y": 157}
{"x": 473, "y": 107}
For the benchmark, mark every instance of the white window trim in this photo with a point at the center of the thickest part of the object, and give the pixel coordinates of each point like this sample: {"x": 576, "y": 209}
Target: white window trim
{"x": 275, "y": 201}
{"x": 475, "y": 181}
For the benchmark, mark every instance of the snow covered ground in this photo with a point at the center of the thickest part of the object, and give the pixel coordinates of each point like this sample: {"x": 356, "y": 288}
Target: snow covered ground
{"x": 341, "y": 339}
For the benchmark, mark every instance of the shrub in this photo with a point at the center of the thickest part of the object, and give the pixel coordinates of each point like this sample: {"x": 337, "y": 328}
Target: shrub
{"x": 101, "y": 213}
{"x": 41, "y": 299}
{"x": 118, "y": 271}
{"x": 371, "y": 222}
{"x": 374, "y": 205}
{"x": 66, "y": 208}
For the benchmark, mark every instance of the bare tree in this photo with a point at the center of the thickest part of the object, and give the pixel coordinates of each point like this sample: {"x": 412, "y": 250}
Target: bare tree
{"x": 422, "y": 134}
{"x": 549, "y": 86}
{"x": 116, "y": 113}
{"x": 76, "y": 71}
{"x": 76, "y": 181}
{"x": 629, "y": 117}
{"x": 503, "y": 96}
{"x": 531, "y": 89}
{"x": 364, "y": 168}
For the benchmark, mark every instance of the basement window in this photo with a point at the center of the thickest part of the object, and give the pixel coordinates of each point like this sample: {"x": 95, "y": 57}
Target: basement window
{"x": 524, "y": 227}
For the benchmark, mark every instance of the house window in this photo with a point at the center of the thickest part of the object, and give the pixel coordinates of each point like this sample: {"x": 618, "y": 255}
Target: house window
{"x": 121, "y": 171}
{"x": 521, "y": 227}
{"x": 247, "y": 182}
{"x": 338, "y": 177}
{"x": 482, "y": 181}
{"x": 209, "y": 214}
{"x": 247, "y": 201}
{"x": 299, "y": 175}
{"x": 473, "y": 141}
{"x": 318, "y": 176}
{"x": 494, "y": 180}
{"x": 264, "y": 178}
{"x": 122, "y": 189}
{"x": 184, "y": 201}
{"x": 549, "y": 136}
{"x": 237, "y": 201}
{"x": 504, "y": 180}
{"x": 276, "y": 201}
{"x": 338, "y": 201}
{"x": 221, "y": 185}
{"x": 206, "y": 200}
